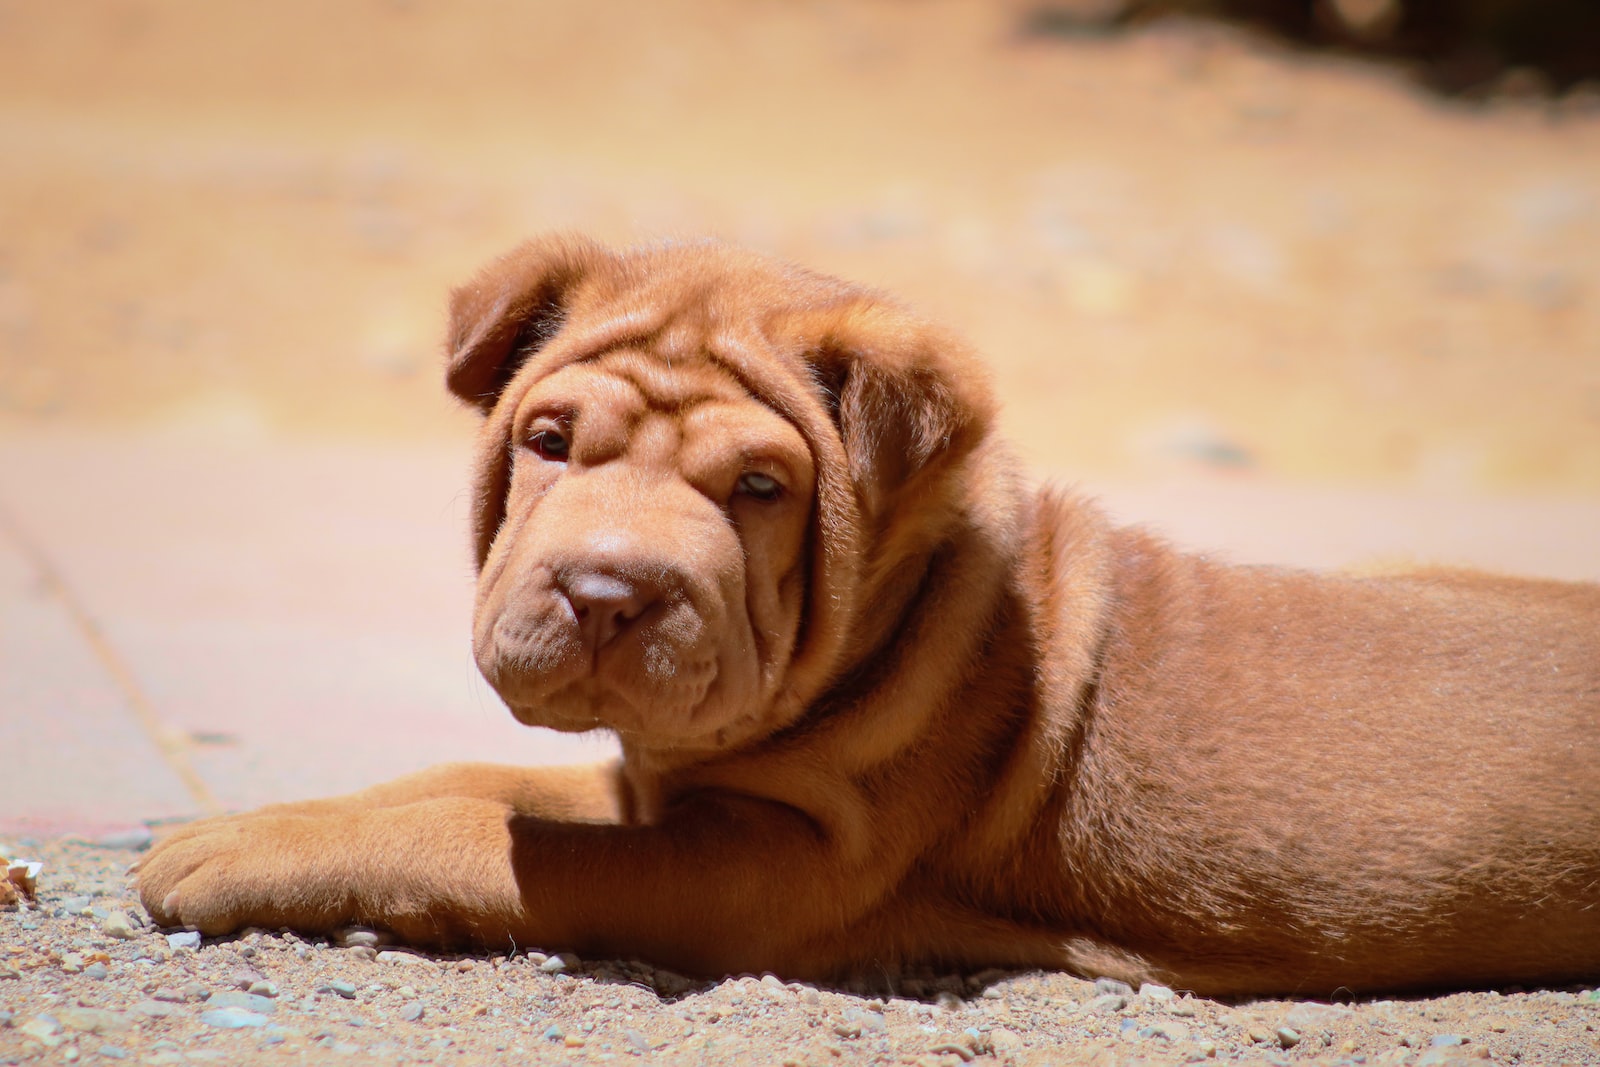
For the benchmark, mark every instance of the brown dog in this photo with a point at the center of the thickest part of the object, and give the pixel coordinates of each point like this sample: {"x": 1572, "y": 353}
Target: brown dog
{"x": 882, "y": 705}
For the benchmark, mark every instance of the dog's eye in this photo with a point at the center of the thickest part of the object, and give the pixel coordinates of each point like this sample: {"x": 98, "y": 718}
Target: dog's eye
{"x": 551, "y": 445}
{"x": 760, "y": 486}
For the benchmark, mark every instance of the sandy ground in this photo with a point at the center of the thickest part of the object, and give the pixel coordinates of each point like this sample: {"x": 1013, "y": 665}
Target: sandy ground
{"x": 82, "y": 978}
{"x": 1185, "y": 253}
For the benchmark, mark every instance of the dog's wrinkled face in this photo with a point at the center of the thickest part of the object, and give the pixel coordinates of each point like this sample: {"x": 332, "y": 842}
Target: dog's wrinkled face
{"x": 698, "y": 470}
{"x": 650, "y": 571}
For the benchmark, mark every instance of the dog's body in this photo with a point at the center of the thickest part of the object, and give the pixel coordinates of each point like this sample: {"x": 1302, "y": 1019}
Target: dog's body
{"x": 882, "y": 706}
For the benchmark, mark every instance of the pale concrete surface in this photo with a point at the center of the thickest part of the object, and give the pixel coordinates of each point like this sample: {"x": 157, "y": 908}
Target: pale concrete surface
{"x": 71, "y": 750}
{"x": 296, "y": 615}
{"x": 187, "y": 623}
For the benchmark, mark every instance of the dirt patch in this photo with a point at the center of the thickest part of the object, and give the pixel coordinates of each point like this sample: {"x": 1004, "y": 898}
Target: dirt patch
{"x": 83, "y": 976}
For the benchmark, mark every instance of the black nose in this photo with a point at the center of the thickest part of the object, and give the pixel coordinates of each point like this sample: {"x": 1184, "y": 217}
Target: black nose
{"x": 604, "y": 604}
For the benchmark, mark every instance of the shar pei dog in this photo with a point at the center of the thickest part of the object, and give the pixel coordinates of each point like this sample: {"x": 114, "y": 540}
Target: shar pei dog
{"x": 883, "y": 704}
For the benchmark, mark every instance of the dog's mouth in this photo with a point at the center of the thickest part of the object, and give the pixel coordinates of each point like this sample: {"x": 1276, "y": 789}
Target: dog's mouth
{"x": 650, "y": 704}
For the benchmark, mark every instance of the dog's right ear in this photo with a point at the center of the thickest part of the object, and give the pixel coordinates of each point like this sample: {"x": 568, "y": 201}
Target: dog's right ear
{"x": 510, "y": 310}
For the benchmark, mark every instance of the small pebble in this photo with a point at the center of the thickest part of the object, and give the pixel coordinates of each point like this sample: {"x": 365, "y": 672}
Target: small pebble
{"x": 1287, "y": 1037}
{"x": 93, "y": 1020}
{"x": 232, "y": 1018}
{"x": 1446, "y": 1040}
{"x": 357, "y": 937}
{"x": 1004, "y": 1041}
{"x": 1108, "y": 1002}
{"x": 347, "y": 990}
{"x": 245, "y": 977}
{"x": 118, "y": 925}
{"x": 412, "y": 1011}
{"x": 72, "y": 963}
{"x": 263, "y": 988}
{"x": 113, "y": 1052}
{"x": 1151, "y": 991}
{"x": 236, "y": 998}
{"x": 43, "y": 1029}
{"x": 189, "y": 939}
{"x": 553, "y": 965}
{"x": 96, "y": 970}
{"x": 1111, "y": 985}
{"x": 554, "y": 1033}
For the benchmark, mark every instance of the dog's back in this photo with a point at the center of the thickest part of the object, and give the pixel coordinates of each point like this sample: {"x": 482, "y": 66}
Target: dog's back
{"x": 1298, "y": 781}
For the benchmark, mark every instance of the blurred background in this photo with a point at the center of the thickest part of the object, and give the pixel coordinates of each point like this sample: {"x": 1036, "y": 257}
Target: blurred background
{"x": 1175, "y": 239}
{"x": 1309, "y": 281}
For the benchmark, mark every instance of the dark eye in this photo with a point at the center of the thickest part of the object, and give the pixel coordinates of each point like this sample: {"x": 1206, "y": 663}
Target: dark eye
{"x": 551, "y": 444}
{"x": 760, "y": 486}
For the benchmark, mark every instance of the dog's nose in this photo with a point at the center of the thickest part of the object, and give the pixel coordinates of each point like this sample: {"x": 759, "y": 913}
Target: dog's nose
{"x": 603, "y": 604}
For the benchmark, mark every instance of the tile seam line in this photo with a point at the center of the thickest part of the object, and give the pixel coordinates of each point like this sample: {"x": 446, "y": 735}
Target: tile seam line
{"x": 121, "y": 675}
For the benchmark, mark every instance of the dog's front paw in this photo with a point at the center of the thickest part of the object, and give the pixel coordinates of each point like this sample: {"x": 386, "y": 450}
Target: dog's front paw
{"x": 261, "y": 869}
{"x": 437, "y": 872}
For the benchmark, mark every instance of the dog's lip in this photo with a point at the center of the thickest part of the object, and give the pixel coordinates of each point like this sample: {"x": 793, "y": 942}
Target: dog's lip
{"x": 644, "y": 716}
{"x": 535, "y": 715}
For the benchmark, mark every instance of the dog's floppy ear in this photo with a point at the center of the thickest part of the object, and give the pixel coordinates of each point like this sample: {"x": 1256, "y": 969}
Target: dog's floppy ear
{"x": 510, "y": 310}
{"x": 907, "y": 399}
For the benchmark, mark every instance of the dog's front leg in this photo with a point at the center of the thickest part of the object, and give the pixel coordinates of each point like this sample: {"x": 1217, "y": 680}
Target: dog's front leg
{"x": 435, "y": 871}
{"x": 317, "y": 864}
{"x": 722, "y": 883}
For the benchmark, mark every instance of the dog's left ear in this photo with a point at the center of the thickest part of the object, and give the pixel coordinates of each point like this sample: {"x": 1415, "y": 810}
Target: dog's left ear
{"x": 908, "y": 400}
{"x": 511, "y": 310}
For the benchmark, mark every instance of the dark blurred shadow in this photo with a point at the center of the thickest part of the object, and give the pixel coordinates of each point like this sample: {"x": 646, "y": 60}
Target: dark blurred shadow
{"x": 1468, "y": 48}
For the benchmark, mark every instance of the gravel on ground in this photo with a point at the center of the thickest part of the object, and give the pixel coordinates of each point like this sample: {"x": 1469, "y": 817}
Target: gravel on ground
{"x": 84, "y": 977}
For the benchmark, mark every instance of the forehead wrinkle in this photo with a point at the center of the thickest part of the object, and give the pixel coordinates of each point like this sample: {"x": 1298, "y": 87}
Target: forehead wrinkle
{"x": 675, "y": 386}
{"x": 733, "y": 354}
{"x": 753, "y": 431}
{"x": 566, "y": 386}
